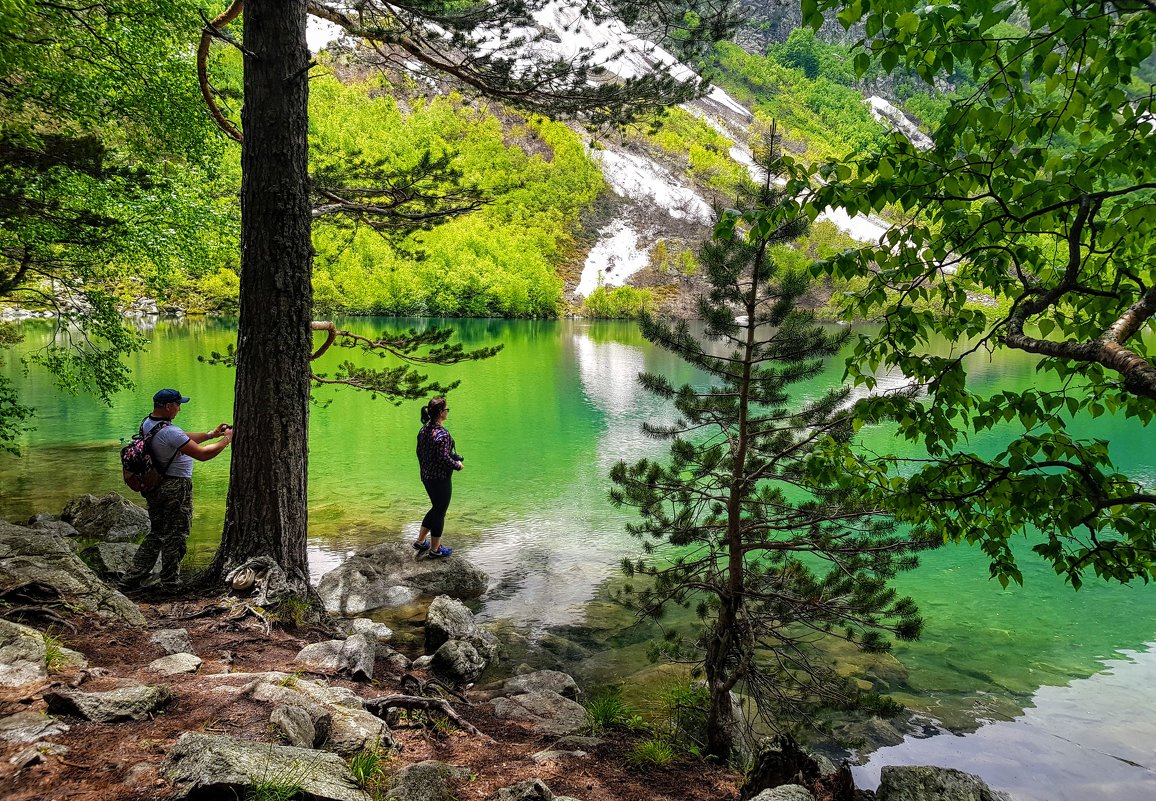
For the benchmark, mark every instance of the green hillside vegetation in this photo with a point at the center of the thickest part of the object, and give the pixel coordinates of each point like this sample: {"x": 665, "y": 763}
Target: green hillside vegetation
{"x": 820, "y": 117}
{"x": 500, "y": 261}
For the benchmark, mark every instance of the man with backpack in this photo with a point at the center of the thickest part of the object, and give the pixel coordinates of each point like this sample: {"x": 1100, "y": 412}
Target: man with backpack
{"x": 170, "y": 502}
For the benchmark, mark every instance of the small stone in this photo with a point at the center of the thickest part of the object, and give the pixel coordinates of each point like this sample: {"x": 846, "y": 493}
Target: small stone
{"x": 363, "y": 625}
{"x": 785, "y": 792}
{"x": 543, "y": 757}
{"x": 173, "y": 641}
{"x": 552, "y": 680}
{"x": 173, "y": 664}
{"x": 423, "y": 662}
{"x": 131, "y": 702}
{"x": 35, "y": 754}
{"x": 26, "y": 727}
{"x": 529, "y": 790}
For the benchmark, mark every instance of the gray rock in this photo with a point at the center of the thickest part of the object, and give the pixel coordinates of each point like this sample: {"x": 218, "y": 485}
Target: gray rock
{"x": 552, "y": 680}
{"x": 66, "y": 660}
{"x": 27, "y": 727}
{"x": 529, "y": 790}
{"x": 458, "y": 661}
{"x": 56, "y": 526}
{"x": 388, "y": 575}
{"x": 928, "y": 783}
{"x": 113, "y": 558}
{"x": 173, "y": 641}
{"x": 547, "y": 712}
{"x": 295, "y": 725}
{"x": 363, "y": 625}
{"x": 395, "y": 661}
{"x": 351, "y": 727}
{"x": 131, "y": 702}
{"x": 215, "y": 766}
{"x": 40, "y": 517}
{"x": 543, "y": 757}
{"x": 426, "y": 781}
{"x": 174, "y": 664}
{"x": 354, "y": 655}
{"x": 36, "y": 753}
{"x": 447, "y": 619}
{"x": 111, "y": 517}
{"x": 576, "y": 742}
{"x": 423, "y": 662}
{"x": 28, "y": 555}
{"x": 22, "y": 655}
{"x": 786, "y": 792}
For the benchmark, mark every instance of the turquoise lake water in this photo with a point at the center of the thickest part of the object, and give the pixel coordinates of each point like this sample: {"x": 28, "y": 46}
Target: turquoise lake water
{"x": 1046, "y": 692}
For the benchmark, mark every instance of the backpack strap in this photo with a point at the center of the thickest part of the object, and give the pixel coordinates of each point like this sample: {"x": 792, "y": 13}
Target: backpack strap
{"x": 149, "y": 442}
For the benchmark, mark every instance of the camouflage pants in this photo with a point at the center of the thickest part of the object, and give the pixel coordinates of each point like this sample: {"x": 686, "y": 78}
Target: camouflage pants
{"x": 171, "y": 515}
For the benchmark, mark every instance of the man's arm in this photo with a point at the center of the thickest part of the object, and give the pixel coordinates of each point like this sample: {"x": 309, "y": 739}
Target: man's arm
{"x": 203, "y": 436}
{"x": 203, "y": 453}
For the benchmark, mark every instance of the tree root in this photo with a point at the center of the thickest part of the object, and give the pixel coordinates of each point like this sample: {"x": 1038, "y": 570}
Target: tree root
{"x": 381, "y": 706}
{"x": 413, "y": 685}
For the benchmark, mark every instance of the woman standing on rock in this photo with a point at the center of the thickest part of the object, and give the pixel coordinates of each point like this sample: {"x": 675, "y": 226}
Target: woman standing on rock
{"x": 438, "y": 461}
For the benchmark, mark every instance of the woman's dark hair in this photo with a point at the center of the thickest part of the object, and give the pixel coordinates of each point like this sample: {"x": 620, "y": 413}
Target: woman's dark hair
{"x": 432, "y": 411}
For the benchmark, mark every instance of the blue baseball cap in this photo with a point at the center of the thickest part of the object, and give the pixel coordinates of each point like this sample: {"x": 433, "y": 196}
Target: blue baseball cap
{"x": 169, "y": 396}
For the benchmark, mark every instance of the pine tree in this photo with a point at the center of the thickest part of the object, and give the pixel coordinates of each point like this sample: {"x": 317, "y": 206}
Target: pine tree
{"x": 736, "y": 524}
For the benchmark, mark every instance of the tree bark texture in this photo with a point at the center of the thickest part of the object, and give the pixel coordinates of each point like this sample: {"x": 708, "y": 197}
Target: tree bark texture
{"x": 267, "y": 507}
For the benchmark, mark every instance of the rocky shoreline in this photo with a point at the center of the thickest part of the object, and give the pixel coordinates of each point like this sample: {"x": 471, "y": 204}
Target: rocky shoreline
{"x": 214, "y": 697}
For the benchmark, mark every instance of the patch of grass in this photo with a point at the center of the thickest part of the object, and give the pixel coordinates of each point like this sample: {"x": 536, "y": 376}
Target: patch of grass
{"x": 54, "y": 657}
{"x": 368, "y": 768}
{"x": 293, "y": 611}
{"x": 655, "y": 751}
{"x": 290, "y": 680}
{"x": 273, "y": 790}
{"x": 607, "y": 710}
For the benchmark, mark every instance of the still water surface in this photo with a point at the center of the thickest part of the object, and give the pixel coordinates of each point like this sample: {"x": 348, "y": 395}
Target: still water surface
{"x": 1053, "y": 691}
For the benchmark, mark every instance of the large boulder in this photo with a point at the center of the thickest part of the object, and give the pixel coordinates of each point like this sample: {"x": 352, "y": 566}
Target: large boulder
{"x": 458, "y": 661}
{"x": 426, "y": 781}
{"x": 928, "y": 783}
{"x": 44, "y": 558}
{"x": 22, "y": 655}
{"x": 448, "y": 619}
{"x": 111, "y": 559}
{"x": 546, "y": 712}
{"x": 111, "y": 517}
{"x": 387, "y": 575}
{"x": 337, "y": 710}
{"x": 130, "y": 702}
{"x": 786, "y": 792}
{"x": 354, "y": 655}
{"x": 553, "y": 680}
{"x": 215, "y": 766}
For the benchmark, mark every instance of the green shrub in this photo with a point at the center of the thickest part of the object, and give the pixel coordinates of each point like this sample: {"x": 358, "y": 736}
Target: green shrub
{"x": 623, "y": 302}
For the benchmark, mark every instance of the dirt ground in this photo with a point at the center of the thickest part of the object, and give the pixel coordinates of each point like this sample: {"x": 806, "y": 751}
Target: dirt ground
{"x": 120, "y": 761}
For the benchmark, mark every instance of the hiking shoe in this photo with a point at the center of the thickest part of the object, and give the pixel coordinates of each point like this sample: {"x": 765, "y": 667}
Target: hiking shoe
{"x": 421, "y": 546}
{"x": 440, "y": 553}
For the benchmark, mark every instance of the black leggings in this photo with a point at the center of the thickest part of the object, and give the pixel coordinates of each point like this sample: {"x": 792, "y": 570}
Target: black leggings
{"x": 439, "y": 491}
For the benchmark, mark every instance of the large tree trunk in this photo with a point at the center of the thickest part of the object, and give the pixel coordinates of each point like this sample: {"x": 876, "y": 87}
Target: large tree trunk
{"x": 266, "y": 513}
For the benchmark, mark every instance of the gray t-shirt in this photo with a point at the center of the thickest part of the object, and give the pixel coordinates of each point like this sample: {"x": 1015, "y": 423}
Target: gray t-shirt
{"x": 167, "y": 442}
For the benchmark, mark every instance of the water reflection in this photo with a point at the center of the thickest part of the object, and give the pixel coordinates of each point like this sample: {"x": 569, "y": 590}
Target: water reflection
{"x": 1064, "y": 747}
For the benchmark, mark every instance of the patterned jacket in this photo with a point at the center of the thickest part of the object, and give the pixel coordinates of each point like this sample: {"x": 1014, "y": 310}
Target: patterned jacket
{"x": 435, "y": 453}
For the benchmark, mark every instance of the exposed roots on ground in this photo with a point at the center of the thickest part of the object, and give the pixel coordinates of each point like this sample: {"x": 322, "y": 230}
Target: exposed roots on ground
{"x": 429, "y": 688}
{"x": 382, "y": 706}
{"x": 233, "y": 612}
{"x": 33, "y": 600}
